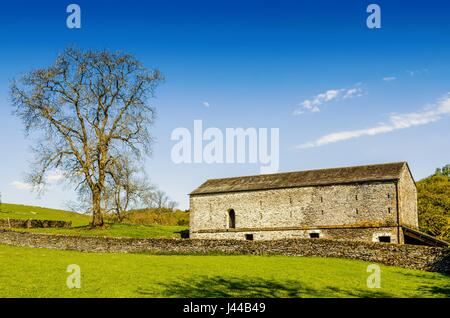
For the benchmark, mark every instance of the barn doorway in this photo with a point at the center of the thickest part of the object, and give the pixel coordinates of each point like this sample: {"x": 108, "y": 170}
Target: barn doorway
{"x": 231, "y": 219}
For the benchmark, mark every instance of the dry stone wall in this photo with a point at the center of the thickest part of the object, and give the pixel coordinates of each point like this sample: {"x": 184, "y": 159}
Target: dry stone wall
{"x": 408, "y": 256}
{"x": 15, "y": 223}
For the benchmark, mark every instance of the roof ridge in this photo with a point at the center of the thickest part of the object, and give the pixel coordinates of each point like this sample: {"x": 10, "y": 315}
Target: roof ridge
{"x": 309, "y": 170}
{"x": 316, "y": 177}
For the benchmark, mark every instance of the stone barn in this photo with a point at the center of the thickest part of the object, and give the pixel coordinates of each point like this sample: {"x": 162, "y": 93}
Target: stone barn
{"x": 376, "y": 203}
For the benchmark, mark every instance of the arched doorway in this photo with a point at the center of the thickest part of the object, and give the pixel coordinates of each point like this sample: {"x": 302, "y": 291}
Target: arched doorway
{"x": 231, "y": 219}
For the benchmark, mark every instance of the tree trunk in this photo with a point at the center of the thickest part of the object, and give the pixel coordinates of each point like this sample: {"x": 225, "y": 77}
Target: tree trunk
{"x": 119, "y": 216}
{"x": 97, "y": 217}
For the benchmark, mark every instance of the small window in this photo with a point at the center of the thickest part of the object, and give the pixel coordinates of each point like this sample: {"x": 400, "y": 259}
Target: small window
{"x": 389, "y": 210}
{"x": 389, "y": 195}
{"x": 249, "y": 237}
{"x": 314, "y": 235}
{"x": 321, "y": 199}
{"x": 384, "y": 239}
{"x": 357, "y": 211}
{"x": 322, "y": 212}
{"x": 356, "y": 197}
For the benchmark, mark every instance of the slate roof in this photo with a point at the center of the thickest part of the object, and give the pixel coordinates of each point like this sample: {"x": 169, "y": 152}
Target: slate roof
{"x": 356, "y": 174}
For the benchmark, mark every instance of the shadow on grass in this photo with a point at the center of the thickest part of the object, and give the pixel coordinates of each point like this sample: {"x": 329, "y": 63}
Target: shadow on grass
{"x": 437, "y": 291}
{"x": 430, "y": 289}
{"x": 220, "y": 287}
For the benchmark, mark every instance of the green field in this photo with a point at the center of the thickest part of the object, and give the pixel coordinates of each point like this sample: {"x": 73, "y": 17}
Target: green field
{"x": 80, "y": 223}
{"x": 30, "y": 272}
{"x": 117, "y": 230}
{"x": 17, "y": 211}
{"x": 27, "y": 272}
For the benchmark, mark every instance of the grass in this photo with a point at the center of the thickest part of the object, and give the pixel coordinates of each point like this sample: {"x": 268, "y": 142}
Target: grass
{"x": 80, "y": 223}
{"x": 28, "y": 272}
{"x": 17, "y": 211}
{"x": 117, "y": 230}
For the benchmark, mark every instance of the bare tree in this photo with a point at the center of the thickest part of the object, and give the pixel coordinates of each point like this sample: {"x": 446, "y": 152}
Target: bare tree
{"x": 161, "y": 200}
{"x": 88, "y": 108}
{"x": 127, "y": 187}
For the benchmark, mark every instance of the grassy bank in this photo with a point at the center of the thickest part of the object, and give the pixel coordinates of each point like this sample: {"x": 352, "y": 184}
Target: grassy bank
{"x": 80, "y": 222}
{"x": 117, "y": 230}
{"x": 25, "y": 212}
{"x": 30, "y": 272}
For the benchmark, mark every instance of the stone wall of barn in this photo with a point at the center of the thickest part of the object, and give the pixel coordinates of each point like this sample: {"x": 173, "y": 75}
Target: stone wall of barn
{"x": 408, "y": 200}
{"x": 346, "y": 234}
{"x": 355, "y": 205}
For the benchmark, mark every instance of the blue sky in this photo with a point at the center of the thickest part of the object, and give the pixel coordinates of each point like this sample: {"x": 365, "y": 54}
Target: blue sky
{"x": 311, "y": 68}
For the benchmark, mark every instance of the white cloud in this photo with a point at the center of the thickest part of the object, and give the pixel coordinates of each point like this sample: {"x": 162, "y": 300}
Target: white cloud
{"x": 416, "y": 72}
{"x": 313, "y": 104}
{"x": 54, "y": 176}
{"x": 206, "y": 104}
{"x": 389, "y": 78}
{"x": 21, "y": 185}
{"x": 396, "y": 122}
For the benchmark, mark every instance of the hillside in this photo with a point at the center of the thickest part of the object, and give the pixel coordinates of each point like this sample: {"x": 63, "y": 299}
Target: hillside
{"x": 161, "y": 216}
{"x": 433, "y": 194}
{"x": 17, "y": 211}
{"x": 142, "y": 226}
